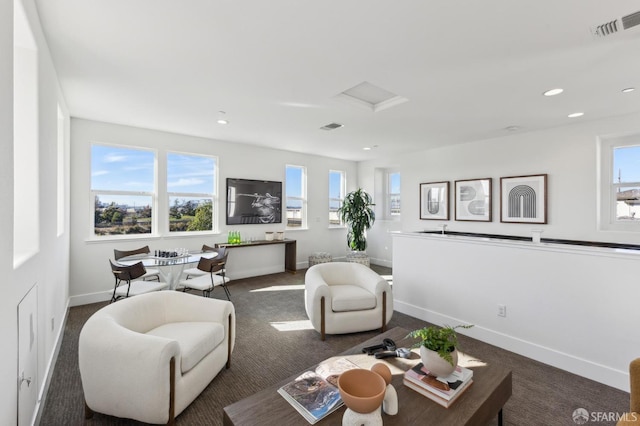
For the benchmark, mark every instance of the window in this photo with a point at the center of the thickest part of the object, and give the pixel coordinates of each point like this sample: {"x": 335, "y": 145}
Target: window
{"x": 393, "y": 194}
{"x": 387, "y": 193}
{"x": 60, "y": 182}
{"x": 123, "y": 190}
{"x": 626, "y": 182}
{"x": 296, "y": 187}
{"x": 26, "y": 188}
{"x": 191, "y": 190}
{"x": 337, "y": 185}
{"x": 619, "y": 201}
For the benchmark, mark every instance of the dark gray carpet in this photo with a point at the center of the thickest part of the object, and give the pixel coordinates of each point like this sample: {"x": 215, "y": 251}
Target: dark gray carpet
{"x": 542, "y": 395}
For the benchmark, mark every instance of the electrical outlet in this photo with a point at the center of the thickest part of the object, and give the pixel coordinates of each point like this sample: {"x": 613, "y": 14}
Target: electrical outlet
{"x": 502, "y": 310}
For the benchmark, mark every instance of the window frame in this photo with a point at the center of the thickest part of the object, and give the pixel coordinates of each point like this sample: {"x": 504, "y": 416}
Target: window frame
{"x": 606, "y": 198}
{"x": 389, "y": 195}
{"x": 340, "y": 200}
{"x": 60, "y": 172}
{"x": 302, "y": 198}
{"x": 154, "y": 197}
{"x": 213, "y": 196}
{"x": 26, "y": 148}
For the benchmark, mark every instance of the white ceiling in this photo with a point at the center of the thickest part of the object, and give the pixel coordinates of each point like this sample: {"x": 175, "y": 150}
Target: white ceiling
{"x": 469, "y": 69}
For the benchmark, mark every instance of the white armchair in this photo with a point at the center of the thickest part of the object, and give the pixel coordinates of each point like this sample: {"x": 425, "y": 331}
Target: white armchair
{"x": 148, "y": 357}
{"x": 343, "y": 297}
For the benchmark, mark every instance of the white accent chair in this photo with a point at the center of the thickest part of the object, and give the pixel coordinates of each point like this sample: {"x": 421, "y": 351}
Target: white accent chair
{"x": 148, "y": 357}
{"x": 343, "y": 297}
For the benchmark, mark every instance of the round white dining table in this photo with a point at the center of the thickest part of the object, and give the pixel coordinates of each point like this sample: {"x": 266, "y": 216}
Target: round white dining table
{"x": 170, "y": 268}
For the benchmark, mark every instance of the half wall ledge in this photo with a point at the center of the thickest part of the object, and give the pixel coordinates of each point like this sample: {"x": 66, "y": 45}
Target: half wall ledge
{"x": 542, "y": 240}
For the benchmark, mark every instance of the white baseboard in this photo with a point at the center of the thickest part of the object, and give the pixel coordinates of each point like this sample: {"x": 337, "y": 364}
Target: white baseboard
{"x": 86, "y": 299}
{"x": 381, "y": 262}
{"x": 582, "y": 367}
{"x": 103, "y": 296}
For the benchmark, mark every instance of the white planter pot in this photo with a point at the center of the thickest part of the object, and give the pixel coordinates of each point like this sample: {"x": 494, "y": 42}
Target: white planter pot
{"x": 437, "y": 365}
{"x": 358, "y": 257}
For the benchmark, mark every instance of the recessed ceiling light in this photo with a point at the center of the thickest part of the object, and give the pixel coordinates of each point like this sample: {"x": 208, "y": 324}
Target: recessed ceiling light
{"x": 576, "y": 114}
{"x": 366, "y": 148}
{"x": 628, "y": 89}
{"x": 553, "y": 92}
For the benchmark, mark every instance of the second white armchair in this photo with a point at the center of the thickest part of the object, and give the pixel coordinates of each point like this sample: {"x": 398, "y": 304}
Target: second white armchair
{"x": 343, "y": 297}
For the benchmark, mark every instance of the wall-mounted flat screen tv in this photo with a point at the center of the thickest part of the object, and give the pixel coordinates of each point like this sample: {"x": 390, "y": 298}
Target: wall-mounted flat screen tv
{"x": 253, "y": 201}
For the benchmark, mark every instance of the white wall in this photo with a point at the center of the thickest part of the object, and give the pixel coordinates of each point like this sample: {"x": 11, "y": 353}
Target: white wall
{"x": 8, "y": 315}
{"x": 569, "y": 156}
{"x": 567, "y": 306}
{"x": 49, "y": 267}
{"x": 91, "y": 277}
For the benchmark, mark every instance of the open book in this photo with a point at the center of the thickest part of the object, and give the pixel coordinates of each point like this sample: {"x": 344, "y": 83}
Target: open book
{"x": 315, "y": 393}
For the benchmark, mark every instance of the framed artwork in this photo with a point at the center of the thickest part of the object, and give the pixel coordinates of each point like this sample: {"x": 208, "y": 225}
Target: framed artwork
{"x": 523, "y": 199}
{"x": 434, "y": 200}
{"x": 473, "y": 200}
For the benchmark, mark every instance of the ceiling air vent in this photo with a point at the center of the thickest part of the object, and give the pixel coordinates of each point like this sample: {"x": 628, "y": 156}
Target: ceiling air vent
{"x": 331, "y": 126}
{"x": 606, "y": 29}
{"x": 617, "y": 25}
{"x": 631, "y": 21}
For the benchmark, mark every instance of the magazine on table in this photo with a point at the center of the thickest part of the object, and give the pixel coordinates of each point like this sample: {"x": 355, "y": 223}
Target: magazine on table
{"x": 315, "y": 393}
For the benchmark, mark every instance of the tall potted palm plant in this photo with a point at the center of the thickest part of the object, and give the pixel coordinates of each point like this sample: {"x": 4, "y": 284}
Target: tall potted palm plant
{"x": 357, "y": 213}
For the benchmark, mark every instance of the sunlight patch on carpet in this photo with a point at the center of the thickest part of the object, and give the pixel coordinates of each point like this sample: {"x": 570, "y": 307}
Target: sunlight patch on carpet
{"x": 292, "y": 325}
{"x": 279, "y": 288}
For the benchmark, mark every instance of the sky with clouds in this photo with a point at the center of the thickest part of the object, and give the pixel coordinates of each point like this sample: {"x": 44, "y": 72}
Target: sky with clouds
{"x": 124, "y": 169}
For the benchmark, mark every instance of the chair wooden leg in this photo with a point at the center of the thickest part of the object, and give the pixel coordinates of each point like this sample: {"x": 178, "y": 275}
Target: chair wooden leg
{"x": 229, "y": 344}
{"x": 88, "y": 412}
{"x": 384, "y": 311}
{"x": 172, "y": 392}
{"x": 322, "y": 331}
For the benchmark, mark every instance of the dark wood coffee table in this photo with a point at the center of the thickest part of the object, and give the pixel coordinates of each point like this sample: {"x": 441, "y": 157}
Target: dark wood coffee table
{"x": 479, "y": 404}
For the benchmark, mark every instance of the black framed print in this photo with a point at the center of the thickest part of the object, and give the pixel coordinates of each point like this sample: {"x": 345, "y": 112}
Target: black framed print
{"x": 523, "y": 199}
{"x": 434, "y": 201}
{"x": 473, "y": 200}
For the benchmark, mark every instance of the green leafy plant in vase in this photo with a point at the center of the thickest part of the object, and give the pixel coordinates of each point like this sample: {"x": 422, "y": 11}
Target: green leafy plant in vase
{"x": 438, "y": 348}
{"x": 357, "y": 213}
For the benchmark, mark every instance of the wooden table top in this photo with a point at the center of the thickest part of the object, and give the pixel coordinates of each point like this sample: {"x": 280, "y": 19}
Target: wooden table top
{"x": 478, "y": 405}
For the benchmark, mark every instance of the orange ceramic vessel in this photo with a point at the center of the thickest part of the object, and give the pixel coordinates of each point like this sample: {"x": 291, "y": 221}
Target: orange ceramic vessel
{"x": 361, "y": 390}
{"x": 382, "y": 369}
